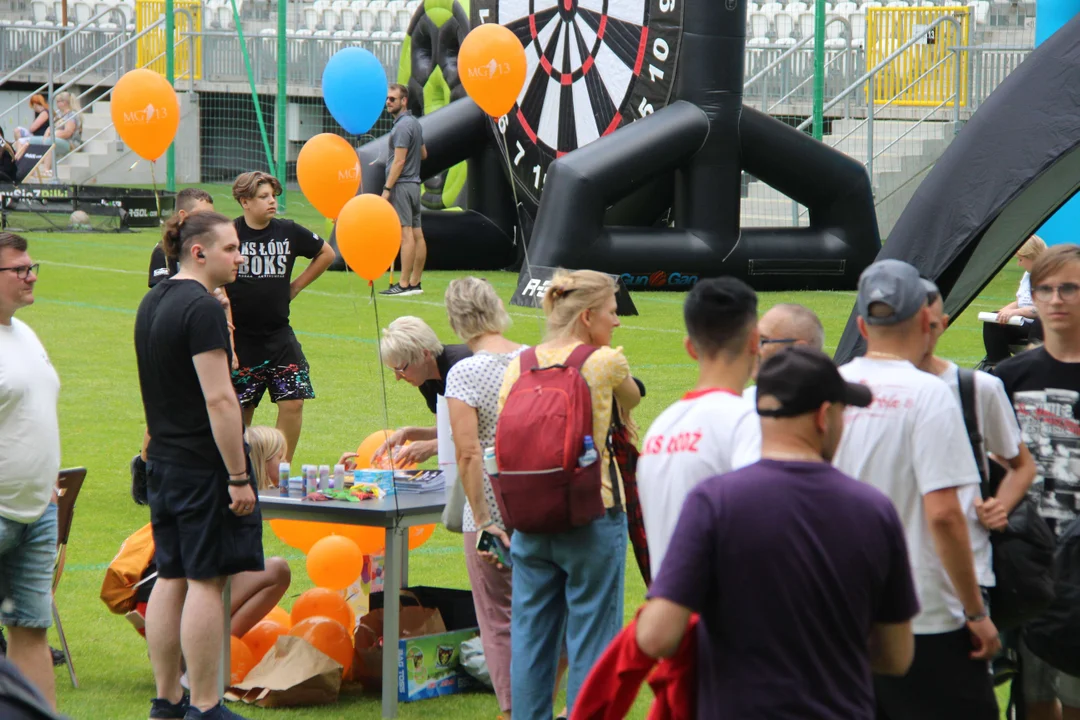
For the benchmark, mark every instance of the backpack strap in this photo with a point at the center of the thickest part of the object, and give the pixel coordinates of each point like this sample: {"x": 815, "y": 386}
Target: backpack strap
{"x": 579, "y": 355}
{"x": 528, "y": 360}
{"x": 966, "y": 377}
{"x": 613, "y": 472}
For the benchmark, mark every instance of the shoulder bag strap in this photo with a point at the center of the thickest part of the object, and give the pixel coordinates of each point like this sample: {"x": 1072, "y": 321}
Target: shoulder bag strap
{"x": 966, "y": 377}
{"x": 613, "y": 472}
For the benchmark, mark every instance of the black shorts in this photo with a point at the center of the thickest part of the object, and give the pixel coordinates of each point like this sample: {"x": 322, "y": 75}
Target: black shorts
{"x": 944, "y": 683}
{"x": 274, "y": 363}
{"x": 196, "y": 536}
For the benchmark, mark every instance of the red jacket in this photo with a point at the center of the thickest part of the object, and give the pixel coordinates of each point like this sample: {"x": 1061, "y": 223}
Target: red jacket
{"x": 612, "y": 686}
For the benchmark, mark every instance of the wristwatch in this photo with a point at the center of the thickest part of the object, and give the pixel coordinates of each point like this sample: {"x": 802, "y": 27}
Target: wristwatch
{"x": 982, "y": 615}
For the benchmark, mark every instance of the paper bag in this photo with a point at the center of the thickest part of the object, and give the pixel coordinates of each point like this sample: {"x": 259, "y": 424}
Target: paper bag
{"x": 292, "y": 673}
{"x": 367, "y": 656}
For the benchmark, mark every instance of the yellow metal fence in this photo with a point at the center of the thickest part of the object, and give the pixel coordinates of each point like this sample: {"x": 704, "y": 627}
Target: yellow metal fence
{"x": 151, "y": 49}
{"x": 926, "y": 73}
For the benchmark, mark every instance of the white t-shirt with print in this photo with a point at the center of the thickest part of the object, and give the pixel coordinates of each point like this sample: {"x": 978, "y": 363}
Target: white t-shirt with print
{"x": 29, "y": 426}
{"x": 706, "y": 433}
{"x": 1001, "y": 436}
{"x": 911, "y": 441}
{"x": 476, "y": 381}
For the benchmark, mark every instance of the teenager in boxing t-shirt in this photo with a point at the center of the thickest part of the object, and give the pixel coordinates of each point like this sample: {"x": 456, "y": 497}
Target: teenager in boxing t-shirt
{"x": 269, "y": 355}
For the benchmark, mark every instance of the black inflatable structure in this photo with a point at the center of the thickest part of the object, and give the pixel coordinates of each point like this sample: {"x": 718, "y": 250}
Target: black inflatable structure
{"x": 1012, "y": 166}
{"x": 656, "y": 199}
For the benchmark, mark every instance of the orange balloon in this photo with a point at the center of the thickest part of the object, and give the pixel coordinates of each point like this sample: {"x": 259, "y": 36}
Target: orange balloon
{"x": 369, "y": 235}
{"x": 280, "y": 616}
{"x": 321, "y": 602}
{"x": 328, "y": 637}
{"x": 420, "y": 534}
{"x": 328, "y": 170}
{"x": 334, "y": 562}
{"x": 241, "y": 660}
{"x": 302, "y": 535}
{"x": 366, "y": 452}
{"x": 370, "y": 540}
{"x": 491, "y": 63}
{"x": 262, "y": 637}
{"x": 146, "y": 112}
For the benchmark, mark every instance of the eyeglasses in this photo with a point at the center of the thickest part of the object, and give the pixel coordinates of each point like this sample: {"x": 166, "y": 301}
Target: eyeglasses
{"x": 401, "y": 370}
{"x": 1066, "y": 291}
{"x": 23, "y": 271}
{"x": 778, "y": 341}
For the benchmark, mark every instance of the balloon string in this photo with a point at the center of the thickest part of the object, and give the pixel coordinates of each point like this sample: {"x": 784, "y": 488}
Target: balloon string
{"x": 157, "y": 199}
{"x": 386, "y": 402}
{"x": 500, "y": 141}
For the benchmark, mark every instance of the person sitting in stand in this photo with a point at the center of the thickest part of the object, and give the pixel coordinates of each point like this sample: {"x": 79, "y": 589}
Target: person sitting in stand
{"x": 999, "y": 336}
{"x": 40, "y": 109}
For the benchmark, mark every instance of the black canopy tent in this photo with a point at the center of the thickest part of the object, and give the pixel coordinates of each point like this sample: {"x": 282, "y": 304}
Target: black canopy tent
{"x": 1011, "y": 167}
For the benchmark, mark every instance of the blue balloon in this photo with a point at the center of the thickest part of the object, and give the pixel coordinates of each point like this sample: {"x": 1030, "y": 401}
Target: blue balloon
{"x": 354, "y": 89}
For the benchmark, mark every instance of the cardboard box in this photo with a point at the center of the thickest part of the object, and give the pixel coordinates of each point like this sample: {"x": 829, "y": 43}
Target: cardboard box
{"x": 430, "y": 666}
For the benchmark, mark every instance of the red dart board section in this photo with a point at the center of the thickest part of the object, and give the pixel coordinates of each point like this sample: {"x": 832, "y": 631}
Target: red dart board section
{"x": 593, "y": 66}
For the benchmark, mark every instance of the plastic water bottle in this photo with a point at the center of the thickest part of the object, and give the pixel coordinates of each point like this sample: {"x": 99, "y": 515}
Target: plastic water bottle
{"x": 283, "y": 479}
{"x": 338, "y": 482}
{"x": 590, "y": 455}
{"x": 491, "y": 465}
{"x": 324, "y": 478}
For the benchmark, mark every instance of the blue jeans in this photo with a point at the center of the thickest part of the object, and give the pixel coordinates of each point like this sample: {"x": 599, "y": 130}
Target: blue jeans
{"x": 571, "y": 581}
{"x": 27, "y": 558}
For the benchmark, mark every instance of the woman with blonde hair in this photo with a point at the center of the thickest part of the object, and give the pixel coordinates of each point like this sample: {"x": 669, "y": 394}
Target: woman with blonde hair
{"x": 478, "y": 317}
{"x": 65, "y": 134}
{"x": 999, "y": 336}
{"x": 572, "y": 580}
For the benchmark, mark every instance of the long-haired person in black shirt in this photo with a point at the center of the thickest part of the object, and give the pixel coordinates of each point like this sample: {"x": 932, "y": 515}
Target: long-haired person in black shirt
{"x": 270, "y": 356}
{"x": 203, "y": 506}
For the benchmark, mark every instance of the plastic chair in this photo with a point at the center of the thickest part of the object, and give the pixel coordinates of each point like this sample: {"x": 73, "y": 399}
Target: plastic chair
{"x": 68, "y": 485}
{"x": 785, "y": 28}
{"x": 759, "y": 29}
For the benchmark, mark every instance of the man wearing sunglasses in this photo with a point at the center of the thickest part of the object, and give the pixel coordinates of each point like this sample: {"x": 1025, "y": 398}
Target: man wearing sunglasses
{"x": 1044, "y": 385}
{"x": 29, "y": 463}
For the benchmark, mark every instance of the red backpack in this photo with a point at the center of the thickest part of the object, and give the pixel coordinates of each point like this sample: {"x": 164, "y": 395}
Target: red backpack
{"x": 541, "y": 434}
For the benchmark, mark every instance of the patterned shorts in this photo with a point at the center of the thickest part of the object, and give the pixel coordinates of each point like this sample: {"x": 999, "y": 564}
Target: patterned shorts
{"x": 283, "y": 370}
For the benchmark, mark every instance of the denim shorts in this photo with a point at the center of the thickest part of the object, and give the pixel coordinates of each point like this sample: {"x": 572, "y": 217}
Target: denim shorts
{"x": 27, "y": 559}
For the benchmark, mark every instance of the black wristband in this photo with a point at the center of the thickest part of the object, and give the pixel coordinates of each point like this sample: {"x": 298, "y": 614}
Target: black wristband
{"x": 239, "y": 483}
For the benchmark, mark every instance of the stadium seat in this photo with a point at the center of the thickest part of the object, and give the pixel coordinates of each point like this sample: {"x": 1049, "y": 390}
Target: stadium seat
{"x": 806, "y": 25}
{"x": 897, "y": 4}
{"x": 40, "y": 10}
{"x": 83, "y": 11}
{"x": 871, "y": 4}
{"x": 797, "y": 8}
{"x": 310, "y": 17}
{"x": 349, "y": 18}
{"x": 759, "y": 30}
{"x": 784, "y": 23}
{"x": 401, "y": 14}
{"x": 858, "y": 29}
{"x": 770, "y": 9}
{"x": 367, "y": 20}
{"x": 750, "y": 8}
{"x": 843, "y": 9}
{"x": 981, "y": 10}
{"x": 398, "y": 36}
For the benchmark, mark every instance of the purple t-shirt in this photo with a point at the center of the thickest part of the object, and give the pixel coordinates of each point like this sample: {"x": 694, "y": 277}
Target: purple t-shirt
{"x": 789, "y": 565}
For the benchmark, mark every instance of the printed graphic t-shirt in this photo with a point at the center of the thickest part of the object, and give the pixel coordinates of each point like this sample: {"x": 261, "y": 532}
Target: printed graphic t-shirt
{"x": 161, "y": 267}
{"x": 706, "y": 433}
{"x": 260, "y": 296}
{"x": 789, "y": 564}
{"x": 1046, "y": 396}
{"x": 910, "y": 442}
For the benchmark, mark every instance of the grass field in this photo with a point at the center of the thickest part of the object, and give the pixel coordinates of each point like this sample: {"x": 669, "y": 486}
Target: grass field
{"x": 87, "y": 296}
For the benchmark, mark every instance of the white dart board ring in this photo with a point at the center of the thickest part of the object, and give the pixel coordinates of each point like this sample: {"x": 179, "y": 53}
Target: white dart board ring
{"x": 593, "y": 66}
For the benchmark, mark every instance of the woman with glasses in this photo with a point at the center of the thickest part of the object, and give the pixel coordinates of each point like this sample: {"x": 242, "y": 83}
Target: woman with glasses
{"x": 412, "y": 351}
{"x": 998, "y": 337}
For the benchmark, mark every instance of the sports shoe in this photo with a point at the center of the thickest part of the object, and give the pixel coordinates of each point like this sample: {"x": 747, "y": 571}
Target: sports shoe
{"x": 162, "y": 709}
{"x": 138, "y": 481}
{"x": 218, "y": 712}
{"x": 59, "y": 659}
{"x": 414, "y": 290}
{"x": 394, "y": 289}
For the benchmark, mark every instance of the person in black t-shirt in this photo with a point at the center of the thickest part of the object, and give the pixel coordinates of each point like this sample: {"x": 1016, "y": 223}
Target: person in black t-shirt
{"x": 188, "y": 201}
{"x": 203, "y": 504}
{"x": 270, "y": 357}
{"x": 1044, "y": 385}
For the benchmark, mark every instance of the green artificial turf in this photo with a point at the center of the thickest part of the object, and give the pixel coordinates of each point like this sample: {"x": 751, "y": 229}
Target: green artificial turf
{"x": 89, "y": 289}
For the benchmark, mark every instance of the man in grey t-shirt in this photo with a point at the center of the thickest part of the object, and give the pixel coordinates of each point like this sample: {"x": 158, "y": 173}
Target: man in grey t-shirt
{"x": 402, "y": 189}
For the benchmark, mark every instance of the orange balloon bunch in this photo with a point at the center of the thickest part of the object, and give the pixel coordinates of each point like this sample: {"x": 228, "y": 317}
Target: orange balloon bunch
{"x": 491, "y": 63}
{"x": 328, "y": 170}
{"x": 145, "y": 112}
{"x": 322, "y": 602}
{"x": 334, "y": 562}
{"x": 262, "y": 637}
{"x": 241, "y": 660}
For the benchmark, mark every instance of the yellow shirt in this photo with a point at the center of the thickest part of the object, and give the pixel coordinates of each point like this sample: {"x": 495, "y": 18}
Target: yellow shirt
{"x": 603, "y": 371}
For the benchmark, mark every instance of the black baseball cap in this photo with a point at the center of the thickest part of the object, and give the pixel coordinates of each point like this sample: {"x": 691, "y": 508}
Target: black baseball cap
{"x": 798, "y": 380}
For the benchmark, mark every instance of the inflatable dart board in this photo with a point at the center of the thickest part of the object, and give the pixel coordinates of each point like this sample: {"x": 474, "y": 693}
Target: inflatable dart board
{"x": 428, "y": 67}
{"x": 593, "y": 66}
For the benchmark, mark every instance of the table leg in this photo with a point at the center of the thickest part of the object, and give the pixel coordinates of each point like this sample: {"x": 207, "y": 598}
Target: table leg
{"x": 224, "y": 672}
{"x": 391, "y": 622}
{"x": 405, "y": 564}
